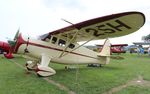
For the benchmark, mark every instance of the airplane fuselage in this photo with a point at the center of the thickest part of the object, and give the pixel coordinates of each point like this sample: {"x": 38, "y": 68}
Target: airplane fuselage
{"x": 81, "y": 55}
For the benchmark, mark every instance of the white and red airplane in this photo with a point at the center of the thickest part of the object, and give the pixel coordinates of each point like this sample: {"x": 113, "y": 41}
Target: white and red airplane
{"x": 61, "y": 46}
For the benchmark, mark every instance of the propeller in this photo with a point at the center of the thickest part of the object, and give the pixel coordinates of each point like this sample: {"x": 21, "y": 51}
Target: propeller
{"x": 12, "y": 44}
{"x": 17, "y": 34}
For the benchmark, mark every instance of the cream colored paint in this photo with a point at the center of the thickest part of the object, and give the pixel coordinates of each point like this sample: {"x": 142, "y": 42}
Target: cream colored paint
{"x": 67, "y": 59}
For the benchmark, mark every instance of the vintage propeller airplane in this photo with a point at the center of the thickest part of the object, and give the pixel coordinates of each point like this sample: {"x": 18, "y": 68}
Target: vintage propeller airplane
{"x": 61, "y": 46}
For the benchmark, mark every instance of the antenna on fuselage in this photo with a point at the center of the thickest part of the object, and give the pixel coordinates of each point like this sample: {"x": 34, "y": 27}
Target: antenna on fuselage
{"x": 71, "y": 24}
{"x": 67, "y": 21}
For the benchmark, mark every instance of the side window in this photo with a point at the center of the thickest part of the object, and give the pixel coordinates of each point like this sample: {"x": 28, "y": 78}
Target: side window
{"x": 61, "y": 42}
{"x": 48, "y": 38}
{"x": 54, "y": 40}
{"x": 71, "y": 46}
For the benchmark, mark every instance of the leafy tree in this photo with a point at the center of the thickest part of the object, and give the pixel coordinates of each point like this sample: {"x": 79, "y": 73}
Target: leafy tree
{"x": 146, "y": 38}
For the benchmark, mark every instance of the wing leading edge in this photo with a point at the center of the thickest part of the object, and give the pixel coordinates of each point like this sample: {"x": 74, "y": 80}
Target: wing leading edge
{"x": 103, "y": 27}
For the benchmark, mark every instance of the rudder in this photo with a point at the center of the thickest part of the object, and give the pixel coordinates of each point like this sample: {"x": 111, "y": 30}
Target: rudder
{"x": 106, "y": 49}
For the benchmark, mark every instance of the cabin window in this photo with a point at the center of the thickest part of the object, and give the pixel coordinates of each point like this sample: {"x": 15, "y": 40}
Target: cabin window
{"x": 71, "y": 46}
{"x": 61, "y": 42}
{"x": 54, "y": 40}
{"x": 48, "y": 38}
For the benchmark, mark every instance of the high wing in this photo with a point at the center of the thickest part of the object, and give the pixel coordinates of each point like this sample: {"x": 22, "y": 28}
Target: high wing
{"x": 110, "y": 26}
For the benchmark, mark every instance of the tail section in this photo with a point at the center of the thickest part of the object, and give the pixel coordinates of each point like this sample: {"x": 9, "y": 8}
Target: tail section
{"x": 106, "y": 49}
{"x": 105, "y": 52}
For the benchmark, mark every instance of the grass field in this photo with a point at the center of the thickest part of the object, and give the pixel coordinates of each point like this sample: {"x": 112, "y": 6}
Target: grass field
{"x": 82, "y": 80}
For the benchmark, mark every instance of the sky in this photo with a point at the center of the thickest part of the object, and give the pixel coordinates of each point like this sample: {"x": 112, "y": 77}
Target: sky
{"x": 37, "y": 17}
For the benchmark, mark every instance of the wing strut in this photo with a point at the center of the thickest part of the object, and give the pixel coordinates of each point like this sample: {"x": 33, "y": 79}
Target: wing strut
{"x": 77, "y": 47}
{"x": 69, "y": 43}
{"x": 71, "y": 39}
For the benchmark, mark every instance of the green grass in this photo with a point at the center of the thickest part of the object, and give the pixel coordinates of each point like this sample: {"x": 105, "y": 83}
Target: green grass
{"x": 14, "y": 80}
{"x": 99, "y": 80}
{"x": 134, "y": 90}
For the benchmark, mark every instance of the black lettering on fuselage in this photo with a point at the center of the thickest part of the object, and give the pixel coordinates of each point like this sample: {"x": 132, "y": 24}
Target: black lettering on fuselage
{"x": 107, "y": 28}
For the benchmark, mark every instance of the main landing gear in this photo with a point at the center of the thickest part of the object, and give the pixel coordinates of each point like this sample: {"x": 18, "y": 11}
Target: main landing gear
{"x": 41, "y": 69}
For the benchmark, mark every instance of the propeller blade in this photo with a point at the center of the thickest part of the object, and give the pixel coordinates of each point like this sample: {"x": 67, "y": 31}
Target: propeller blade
{"x": 12, "y": 43}
{"x": 17, "y": 34}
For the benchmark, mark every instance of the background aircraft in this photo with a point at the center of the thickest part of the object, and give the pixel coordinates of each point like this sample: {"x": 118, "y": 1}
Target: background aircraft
{"x": 115, "y": 48}
{"x": 6, "y": 49}
{"x": 4, "y": 46}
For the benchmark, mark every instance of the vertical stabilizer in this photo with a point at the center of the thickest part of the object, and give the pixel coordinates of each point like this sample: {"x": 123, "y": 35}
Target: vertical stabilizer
{"x": 106, "y": 49}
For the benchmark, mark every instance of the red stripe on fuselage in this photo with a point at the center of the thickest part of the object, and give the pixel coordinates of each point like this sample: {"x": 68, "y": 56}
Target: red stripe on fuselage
{"x": 21, "y": 41}
{"x": 43, "y": 46}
